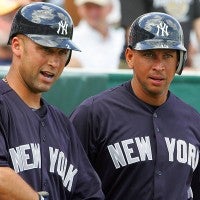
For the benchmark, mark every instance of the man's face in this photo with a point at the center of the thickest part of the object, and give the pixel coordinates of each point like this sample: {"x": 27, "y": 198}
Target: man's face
{"x": 94, "y": 14}
{"x": 153, "y": 71}
{"x": 39, "y": 66}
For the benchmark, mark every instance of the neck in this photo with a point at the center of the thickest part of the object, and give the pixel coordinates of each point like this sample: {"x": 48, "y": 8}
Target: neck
{"x": 151, "y": 98}
{"x": 31, "y": 99}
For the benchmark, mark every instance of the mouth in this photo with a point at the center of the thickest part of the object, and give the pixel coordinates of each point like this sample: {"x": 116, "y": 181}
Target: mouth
{"x": 47, "y": 74}
{"x": 47, "y": 77}
{"x": 157, "y": 80}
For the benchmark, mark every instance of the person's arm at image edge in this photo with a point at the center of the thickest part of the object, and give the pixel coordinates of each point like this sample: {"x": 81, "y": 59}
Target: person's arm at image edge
{"x": 13, "y": 187}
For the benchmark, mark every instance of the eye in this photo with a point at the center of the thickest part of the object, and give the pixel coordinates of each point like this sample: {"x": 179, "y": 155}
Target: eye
{"x": 46, "y": 50}
{"x": 168, "y": 55}
{"x": 148, "y": 54}
{"x": 63, "y": 52}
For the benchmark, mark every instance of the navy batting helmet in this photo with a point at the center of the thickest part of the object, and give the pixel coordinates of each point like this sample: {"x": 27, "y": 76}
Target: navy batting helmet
{"x": 157, "y": 30}
{"x": 46, "y": 24}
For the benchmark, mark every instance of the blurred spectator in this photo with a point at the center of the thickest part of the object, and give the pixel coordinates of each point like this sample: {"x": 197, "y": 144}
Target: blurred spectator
{"x": 57, "y": 2}
{"x": 7, "y": 11}
{"x": 100, "y": 43}
{"x": 194, "y": 51}
{"x": 187, "y": 12}
{"x": 114, "y": 16}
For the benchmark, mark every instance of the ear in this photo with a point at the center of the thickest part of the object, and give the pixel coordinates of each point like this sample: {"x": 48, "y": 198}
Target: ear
{"x": 16, "y": 46}
{"x": 129, "y": 54}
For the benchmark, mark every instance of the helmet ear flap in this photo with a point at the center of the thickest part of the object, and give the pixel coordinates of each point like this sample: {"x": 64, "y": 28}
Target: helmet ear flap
{"x": 69, "y": 54}
{"x": 182, "y": 60}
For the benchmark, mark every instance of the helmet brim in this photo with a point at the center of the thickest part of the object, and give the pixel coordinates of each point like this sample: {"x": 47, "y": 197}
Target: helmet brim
{"x": 159, "y": 44}
{"x": 53, "y": 41}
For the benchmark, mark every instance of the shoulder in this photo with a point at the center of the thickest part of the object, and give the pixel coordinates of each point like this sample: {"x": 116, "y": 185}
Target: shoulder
{"x": 4, "y": 88}
{"x": 107, "y": 95}
{"x": 118, "y": 34}
{"x": 58, "y": 116}
{"x": 107, "y": 100}
{"x": 117, "y": 31}
{"x": 178, "y": 105}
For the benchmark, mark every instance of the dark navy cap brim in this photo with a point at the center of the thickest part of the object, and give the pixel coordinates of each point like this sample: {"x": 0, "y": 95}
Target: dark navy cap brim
{"x": 53, "y": 41}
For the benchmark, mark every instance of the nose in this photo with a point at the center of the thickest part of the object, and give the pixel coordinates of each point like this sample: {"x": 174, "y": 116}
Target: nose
{"x": 159, "y": 65}
{"x": 54, "y": 61}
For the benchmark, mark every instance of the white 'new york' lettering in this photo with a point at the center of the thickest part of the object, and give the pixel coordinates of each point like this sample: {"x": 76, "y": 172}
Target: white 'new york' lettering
{"x": 119, "y": 158}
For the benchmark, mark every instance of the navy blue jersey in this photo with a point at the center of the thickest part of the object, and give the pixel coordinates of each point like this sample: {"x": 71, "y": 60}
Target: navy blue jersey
{"x": 140, "y": 152}
{"x": 45, "y": 150}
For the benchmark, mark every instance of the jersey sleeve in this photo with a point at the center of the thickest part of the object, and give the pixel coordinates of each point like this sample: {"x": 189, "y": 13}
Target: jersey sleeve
{"x": 4, "y": 155}
{"x": 88, "y": 185}
{"x": 3, "y": 151}
{"x": 82, "y": 119}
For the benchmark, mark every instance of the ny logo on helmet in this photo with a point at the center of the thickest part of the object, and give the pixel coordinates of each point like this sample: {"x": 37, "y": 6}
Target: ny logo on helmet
{"x": 162, "y": 29}
{"x": 62, "y": 29}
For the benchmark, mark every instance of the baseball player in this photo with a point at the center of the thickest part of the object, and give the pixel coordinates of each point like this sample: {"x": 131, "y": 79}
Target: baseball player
{"x": 41, "y": 156}
{"x": 142, "y": 140}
